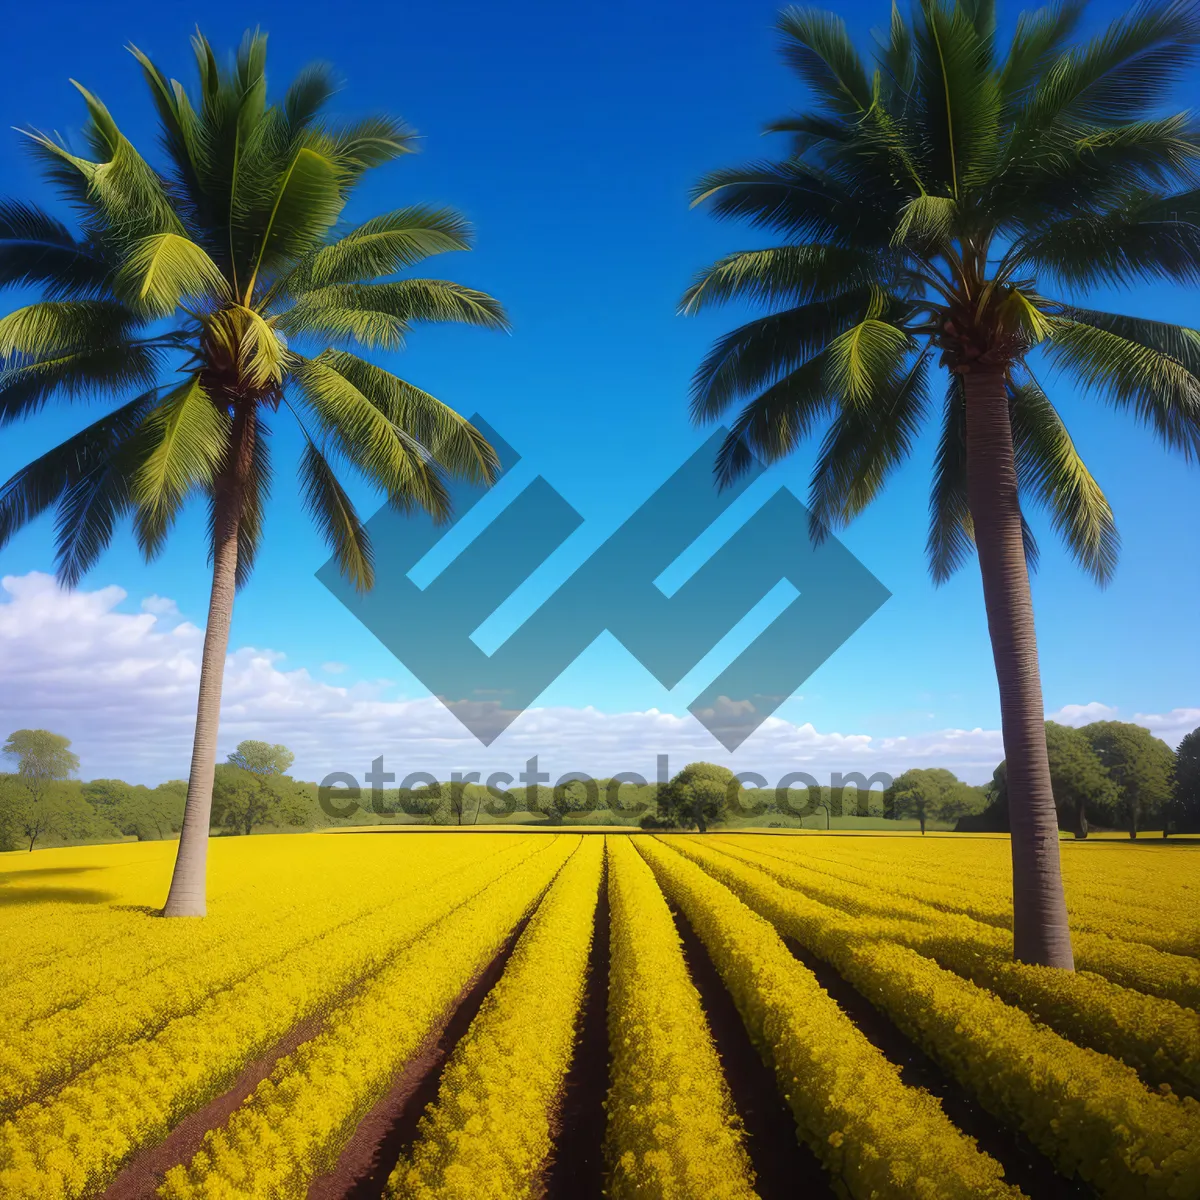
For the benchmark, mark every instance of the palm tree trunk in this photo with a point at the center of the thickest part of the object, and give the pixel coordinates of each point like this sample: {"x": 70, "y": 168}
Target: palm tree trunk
{"x": 1040, "y": 931}
{"x": 188, "y": 894}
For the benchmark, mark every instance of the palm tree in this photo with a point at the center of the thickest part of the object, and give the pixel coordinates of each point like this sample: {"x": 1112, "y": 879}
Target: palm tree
{"x": 923, "y": 206}
{"x": 208, "y": 298}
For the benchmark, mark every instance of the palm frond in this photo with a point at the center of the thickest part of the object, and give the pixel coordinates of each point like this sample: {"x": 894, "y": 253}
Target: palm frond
{"x": 1158, "y": 388}
{"x": 1122, "y": 73}
{"x": 37, "y": 249}
{"x": 818, "y": 48}
{"x": 958, "y": 110}
{"x": 775, "y": 422}
{"x": 121, "y": 193}
{"x": 42, "y": 484}
{"x": 1037, "y": 42}
{"x": 370, "y": 142}
{"x": 307, "y": 94}
{"x": 763, "y": 351}
{"x": 379, "y": 314}
{"x": 367, "y": 437}
{"x": 926, "y": 221}
{"x": 1049, "y": 468}
{"x": 897, "y": 58}
{"x": 800, "y": 201}
{"x": 164, "y": 270}
{"x": 307, "y": 202}
{"x": 864, "y": 358}
{"x": 782, "y": 275}
{"x": 53, "y": 326}
{"x": 186, "y": 436}
{"x": 864, "y": 444}
{"x": 450, "y": 440}
{"x": 384, "y": 245}
{"x": 951, "y": 539}
{"x": 77, "y": 374}
{"x": 335, "y": 516}
{"x": 1142, "y": 239}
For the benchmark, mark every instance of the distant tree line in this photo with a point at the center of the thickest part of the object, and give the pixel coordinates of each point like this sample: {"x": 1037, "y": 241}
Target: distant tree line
{"x": 40, "y": 802}
{"x": 1107, "y": 775}
{"x": 1112, "y": 775}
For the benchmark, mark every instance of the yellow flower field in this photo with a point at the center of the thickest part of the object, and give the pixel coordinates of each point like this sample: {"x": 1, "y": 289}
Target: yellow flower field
{"x": 512, "y": 1014}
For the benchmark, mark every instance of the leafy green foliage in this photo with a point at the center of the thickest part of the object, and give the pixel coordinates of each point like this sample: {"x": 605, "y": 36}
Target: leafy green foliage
{"x": 262, "y": 758}
{"x": 137, "y": 811}
{"x": 1084, "y": 791}
{"x": 696, "y": 797}
{"x": 932, "y": 794}
{"x": 243, "y": 799}
{"x": 1141, "y": 767}
{"x": 1185, "y": 801}
{"x": 42, "y": 758}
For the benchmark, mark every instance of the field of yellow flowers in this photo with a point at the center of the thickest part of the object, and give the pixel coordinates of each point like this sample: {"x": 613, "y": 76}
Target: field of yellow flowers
{"x": 493, "y": 1015}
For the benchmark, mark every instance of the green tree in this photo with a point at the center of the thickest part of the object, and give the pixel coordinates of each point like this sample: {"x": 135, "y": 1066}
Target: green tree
{"x": 576, "y": 797}
{"x": 928, "y": 207}
{"x": 1140, "y": 765}
{"x": 42, "y": 759}
{"x": 243, "y": 799}
{"x": 933, "y": 793}
{"x": 1081, "y": 782}
{"x": 207, "y": 297}
{"x": 1185, "y": 796}
{"x": 149, "y": 813}
{"x": 262, "y": 758}
{"x": 107, "y": 793}
{"x": 697, "y": 797}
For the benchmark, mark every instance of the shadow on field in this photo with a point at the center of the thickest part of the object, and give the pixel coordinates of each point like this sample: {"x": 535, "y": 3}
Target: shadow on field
{"x": 11, "y": 897}
{"x": 41, "y": 873}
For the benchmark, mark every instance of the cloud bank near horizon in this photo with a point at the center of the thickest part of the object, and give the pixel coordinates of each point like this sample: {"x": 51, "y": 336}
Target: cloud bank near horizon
{"x": 122, "y": 685}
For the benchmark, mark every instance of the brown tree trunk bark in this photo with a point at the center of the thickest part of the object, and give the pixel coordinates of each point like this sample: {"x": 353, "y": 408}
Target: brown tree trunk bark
{"x": 188, "y": 894}
{"x": 1040, "y": 931}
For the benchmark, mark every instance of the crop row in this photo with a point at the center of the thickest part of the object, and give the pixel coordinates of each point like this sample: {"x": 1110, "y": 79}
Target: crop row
{"x": 51, "y": 1050}
{"x": 877, "y": 1137}
{"x": 1090, "y": 1114}
{"x": 1157, "y": 1037}
{"x": 1172, "y": 977}
{"x": 94, "y": 961}
{"x": 1096, "y": 901}
{"x": 672, "y": 1130}
{"x": 490, "y": 1130}
{"x": 295, "y": 1124}
{"x": 72, "y": 1144}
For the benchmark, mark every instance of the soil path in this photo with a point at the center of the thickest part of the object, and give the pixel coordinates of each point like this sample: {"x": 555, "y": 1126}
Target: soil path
{"x": 389, "y": 1128}
{"x": 142, "y": 1175}
{"x": 784, "y": 1167}
{"x": 576, "y": 1169}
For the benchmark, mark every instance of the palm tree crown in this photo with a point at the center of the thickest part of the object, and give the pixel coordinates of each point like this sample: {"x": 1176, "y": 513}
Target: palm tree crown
{"x": 931, "y": 208}
{"x": 213, "y": 295}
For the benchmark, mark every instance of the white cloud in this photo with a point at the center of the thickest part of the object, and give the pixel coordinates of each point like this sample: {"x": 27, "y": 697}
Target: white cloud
{"x": 123, "y": 687}
{"x": 1083, "y": 714}
{"x": 1171, "y": 726}
{"x": 333, "y": 668}
{"x": 160, "y": 606}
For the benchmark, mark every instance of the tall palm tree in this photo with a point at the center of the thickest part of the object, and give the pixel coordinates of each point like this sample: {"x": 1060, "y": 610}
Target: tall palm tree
{"x": 924, "y": 205}
{"x": 208, "y": 298}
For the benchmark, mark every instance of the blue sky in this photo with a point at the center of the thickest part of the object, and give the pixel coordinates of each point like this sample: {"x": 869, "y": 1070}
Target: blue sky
{"x": 569, "y": 136}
